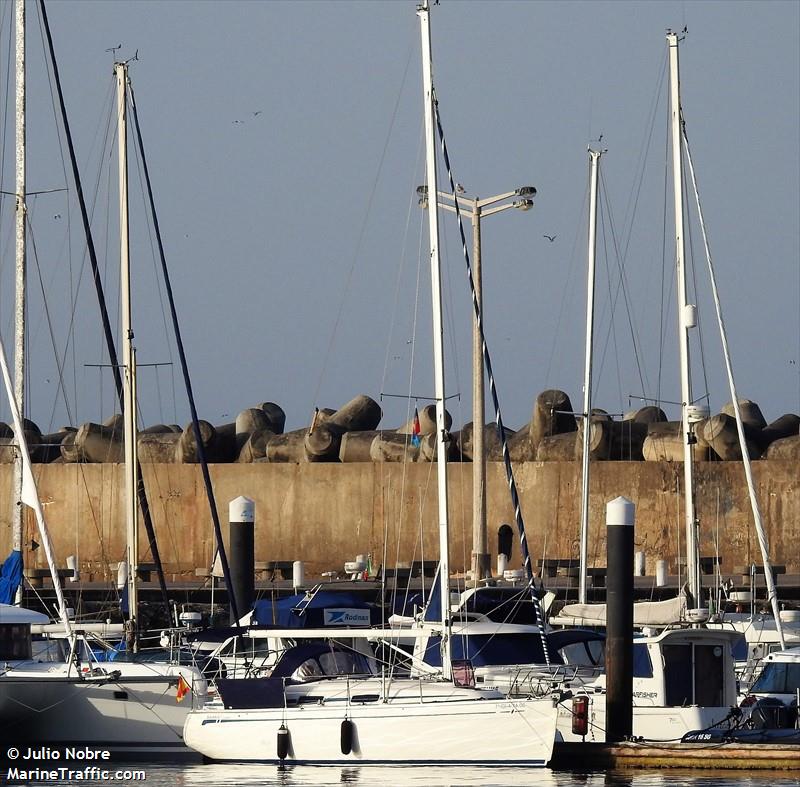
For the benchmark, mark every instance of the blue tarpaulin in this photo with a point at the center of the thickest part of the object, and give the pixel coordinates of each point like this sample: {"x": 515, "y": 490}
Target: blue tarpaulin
{"x": 297, "y": 612}
{"x": 10, "y": 577}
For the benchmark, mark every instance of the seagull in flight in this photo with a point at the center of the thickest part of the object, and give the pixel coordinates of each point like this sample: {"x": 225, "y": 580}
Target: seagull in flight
{"x": 459, "y": 188}
{"x": 551, "y": 238}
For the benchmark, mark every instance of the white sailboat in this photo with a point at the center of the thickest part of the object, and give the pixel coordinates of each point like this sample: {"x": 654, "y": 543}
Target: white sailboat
{"x": 690, "y": 607}
{"x": 54, "y": 691}
{"x": 342, "y": 715}
{"x": 684, "y": 677}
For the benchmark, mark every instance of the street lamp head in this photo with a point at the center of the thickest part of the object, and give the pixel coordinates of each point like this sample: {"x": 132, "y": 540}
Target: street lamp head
{"x": 523, "y": 204}
{"x": 526, "y": 191}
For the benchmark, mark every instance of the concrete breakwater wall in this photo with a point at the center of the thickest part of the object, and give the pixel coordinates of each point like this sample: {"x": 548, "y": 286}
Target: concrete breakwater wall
{"x": 326, "y": 513}
{"x": 352, "y": 434}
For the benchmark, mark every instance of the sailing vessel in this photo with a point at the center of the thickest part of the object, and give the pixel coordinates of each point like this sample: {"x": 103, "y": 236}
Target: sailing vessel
{"x": 691, "y": 606}
{"x": 684, "y": 678}
{"x": 55, "y": 691}
{"x": 324, "y": 706}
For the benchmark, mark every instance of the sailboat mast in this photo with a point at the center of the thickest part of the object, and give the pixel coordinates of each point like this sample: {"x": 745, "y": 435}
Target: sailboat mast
{"x": 686, "y": 320}
{"x": 129, "y": 414}
{"x": 19, "y": 307}
{"x": 594, "y": 167}
{"x": 438, "y": 343}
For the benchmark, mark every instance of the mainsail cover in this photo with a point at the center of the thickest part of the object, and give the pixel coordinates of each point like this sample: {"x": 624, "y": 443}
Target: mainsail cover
{"x": 645, "y": 613}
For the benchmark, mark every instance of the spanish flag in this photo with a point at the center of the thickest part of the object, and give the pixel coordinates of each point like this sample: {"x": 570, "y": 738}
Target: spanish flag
{"x": 183, "y": 689}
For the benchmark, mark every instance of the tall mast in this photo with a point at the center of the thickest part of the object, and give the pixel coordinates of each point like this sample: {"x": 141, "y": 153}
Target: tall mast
{"x": 686, "y": 319}
{"x": 128, "y": 355}
{"x": 19, "y": 307}
{"x": 438, "y": 343}
{"x": 594, "y": 167}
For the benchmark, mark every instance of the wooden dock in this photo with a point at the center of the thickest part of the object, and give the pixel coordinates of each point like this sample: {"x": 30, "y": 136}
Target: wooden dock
{"x": 712, "y": 756}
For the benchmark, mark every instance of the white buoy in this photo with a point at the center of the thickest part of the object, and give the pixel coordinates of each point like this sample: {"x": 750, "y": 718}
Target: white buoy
{"x": 661, "y": 573}
{"x": 639, "y": 564}
{"x": 298, "y": 574}
{"x": 502, "y": 563}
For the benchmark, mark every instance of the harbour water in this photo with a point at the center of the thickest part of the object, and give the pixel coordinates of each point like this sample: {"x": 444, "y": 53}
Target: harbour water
{"x": 380, "y": 776}
{"x": 186, "y": 775}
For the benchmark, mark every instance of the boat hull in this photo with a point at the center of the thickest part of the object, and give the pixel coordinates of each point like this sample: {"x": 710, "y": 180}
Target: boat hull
{"x": 651, "y": 723}
{"x": 409, "y": 726}
{"x": 131, "y": 715}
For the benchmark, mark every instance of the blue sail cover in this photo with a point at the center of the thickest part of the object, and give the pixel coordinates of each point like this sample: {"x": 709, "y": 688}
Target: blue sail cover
{"x": 328, "y": 608}
{"x": 10, "y": 577}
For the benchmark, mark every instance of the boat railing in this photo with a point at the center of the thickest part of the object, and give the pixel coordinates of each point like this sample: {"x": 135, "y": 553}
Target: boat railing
{"x": 543, "y": 680}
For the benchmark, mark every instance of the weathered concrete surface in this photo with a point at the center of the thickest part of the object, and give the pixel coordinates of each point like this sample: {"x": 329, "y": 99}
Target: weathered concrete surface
{"x": 327, "y": 513}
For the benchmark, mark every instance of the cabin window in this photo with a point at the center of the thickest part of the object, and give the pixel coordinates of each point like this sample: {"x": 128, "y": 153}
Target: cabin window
{"x": 15, "y": 641}
{"x": 739, "y": 649}
{"x": 642, "y": 666}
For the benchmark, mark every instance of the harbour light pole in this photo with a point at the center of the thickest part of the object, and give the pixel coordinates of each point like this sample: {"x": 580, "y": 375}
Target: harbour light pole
{"x": 521, "y": 199}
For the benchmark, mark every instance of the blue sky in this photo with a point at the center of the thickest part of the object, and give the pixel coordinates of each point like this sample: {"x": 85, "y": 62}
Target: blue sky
{"x": 284, "y": 141}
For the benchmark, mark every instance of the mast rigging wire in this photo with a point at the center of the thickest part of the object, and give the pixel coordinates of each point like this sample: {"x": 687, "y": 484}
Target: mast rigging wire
{"x": 140, "y": 490}
{"x": 234, "y": 602}
{"x": 493, "y": 390}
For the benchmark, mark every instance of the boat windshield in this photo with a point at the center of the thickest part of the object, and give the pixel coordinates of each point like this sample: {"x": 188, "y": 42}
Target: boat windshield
{"x": 57, "y": 649}
{"x": 778, "y": 677}
{"x": 591, "y": 653}
{"x": 335, "y": 662}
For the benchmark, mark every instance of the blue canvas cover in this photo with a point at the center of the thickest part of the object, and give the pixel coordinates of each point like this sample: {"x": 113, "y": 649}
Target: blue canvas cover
{"x": 10, "y": 577}
{"x": 242, "y": 693}
{"x": 488, "y": 650}
{"x": 294, "y": 612}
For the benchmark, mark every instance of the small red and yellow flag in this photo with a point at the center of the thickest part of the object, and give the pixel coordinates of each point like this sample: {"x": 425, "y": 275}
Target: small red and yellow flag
{"x": 183, "y": 689}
